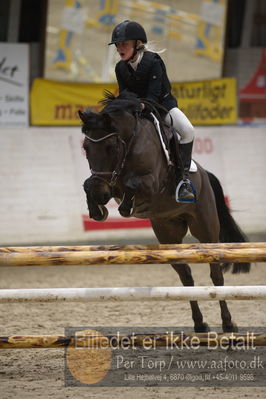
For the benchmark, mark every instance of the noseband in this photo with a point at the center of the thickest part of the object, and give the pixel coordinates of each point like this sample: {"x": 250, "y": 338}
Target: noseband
{"x": 123, "y": 151}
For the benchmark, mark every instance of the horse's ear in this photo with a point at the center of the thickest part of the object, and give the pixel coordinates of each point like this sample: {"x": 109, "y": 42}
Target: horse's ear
{"x": 82, "y": 116}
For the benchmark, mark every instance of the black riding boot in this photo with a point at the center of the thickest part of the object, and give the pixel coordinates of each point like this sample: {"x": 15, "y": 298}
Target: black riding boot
{"x": 185, "y": 191}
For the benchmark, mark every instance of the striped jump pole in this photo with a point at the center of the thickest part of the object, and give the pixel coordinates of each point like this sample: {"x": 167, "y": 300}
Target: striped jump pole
{"x": 206, "y": 293}
{"x": 201, "y": 253}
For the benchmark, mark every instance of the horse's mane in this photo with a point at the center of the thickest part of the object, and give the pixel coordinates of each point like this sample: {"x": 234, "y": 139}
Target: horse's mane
{"x": 125, "y": 101}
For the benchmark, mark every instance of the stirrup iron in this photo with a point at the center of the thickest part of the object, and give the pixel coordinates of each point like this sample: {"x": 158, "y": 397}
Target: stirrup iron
{"x": 185, "y": 200}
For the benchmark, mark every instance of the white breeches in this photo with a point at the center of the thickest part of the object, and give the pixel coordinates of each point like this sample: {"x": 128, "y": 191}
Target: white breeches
{"x": 181, "y": 124}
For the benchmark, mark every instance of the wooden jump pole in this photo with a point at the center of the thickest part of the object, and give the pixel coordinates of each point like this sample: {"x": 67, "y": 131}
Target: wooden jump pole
{"x": 110, "y": 257}
{"x": 134, "y": 247}
{"x": 206, "y": 293}
{"x": 87, "y": 341}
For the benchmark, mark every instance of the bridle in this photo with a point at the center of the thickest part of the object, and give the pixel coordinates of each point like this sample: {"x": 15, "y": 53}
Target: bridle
{"x": 123, "y": 151}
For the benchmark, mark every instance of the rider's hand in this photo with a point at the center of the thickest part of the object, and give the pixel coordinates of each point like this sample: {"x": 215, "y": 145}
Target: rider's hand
{"x": 142, "y": 105}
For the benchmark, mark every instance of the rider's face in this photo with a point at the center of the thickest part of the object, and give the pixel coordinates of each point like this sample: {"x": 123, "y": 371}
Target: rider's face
{"x": 125, "y": 49}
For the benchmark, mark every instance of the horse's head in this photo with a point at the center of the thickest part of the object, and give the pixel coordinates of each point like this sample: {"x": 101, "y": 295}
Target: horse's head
{"x": 107, "y": 137}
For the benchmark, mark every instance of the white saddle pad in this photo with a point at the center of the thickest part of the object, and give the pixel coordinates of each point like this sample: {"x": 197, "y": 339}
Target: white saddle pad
{"x": 193, "y": 167}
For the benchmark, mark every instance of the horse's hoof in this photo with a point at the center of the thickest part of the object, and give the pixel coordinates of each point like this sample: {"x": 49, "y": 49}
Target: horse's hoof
{"x": 204, "y": 327}
{"x": 230, "y": 327}
{"x": 101, "y": 215}
{"x": 125, "y": 212}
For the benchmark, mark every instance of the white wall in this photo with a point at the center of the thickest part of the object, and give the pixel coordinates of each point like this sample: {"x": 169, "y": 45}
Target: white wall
{"x": 238, "y": 160}
{"x": 43, "y": 169}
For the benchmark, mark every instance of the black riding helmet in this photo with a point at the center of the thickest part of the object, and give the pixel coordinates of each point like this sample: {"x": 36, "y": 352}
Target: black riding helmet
{"x": 128, "y": 30}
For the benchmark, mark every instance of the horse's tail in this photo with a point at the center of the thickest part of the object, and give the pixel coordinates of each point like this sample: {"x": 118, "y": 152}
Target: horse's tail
{"x": 229, "y": 230}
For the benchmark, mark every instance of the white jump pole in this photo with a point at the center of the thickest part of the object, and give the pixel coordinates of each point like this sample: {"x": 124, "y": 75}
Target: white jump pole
{"x": 206, "y": 293}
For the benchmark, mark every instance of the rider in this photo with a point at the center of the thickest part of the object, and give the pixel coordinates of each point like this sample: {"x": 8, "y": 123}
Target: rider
{"x": 143, "y": 72}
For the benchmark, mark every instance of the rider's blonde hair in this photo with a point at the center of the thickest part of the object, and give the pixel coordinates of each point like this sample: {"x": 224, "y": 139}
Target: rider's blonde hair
{"x": 150, "y": 46}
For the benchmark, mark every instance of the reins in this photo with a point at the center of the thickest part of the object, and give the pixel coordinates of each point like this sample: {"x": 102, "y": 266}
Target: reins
{"x": 155, "y": 108}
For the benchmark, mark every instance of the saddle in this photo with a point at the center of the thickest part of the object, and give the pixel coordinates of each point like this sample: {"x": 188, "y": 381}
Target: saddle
{"x": 167, "y": 134}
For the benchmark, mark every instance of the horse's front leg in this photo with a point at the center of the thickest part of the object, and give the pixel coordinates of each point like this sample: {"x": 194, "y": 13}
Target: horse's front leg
{"x": 144, "y": 185}
{"x": 218, "y": 279}
{"x": 96, "y": 198}
{"x": 131, "y": 187}
{"x": 96, "y": 212}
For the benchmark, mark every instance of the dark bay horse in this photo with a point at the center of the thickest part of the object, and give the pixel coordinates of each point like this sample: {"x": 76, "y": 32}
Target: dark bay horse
{"x": 127, "y": 163}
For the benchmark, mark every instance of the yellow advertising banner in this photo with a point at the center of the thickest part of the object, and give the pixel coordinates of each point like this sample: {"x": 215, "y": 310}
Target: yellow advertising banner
{"x": 57, "y": 103}
{"x": 208, "y": 102}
